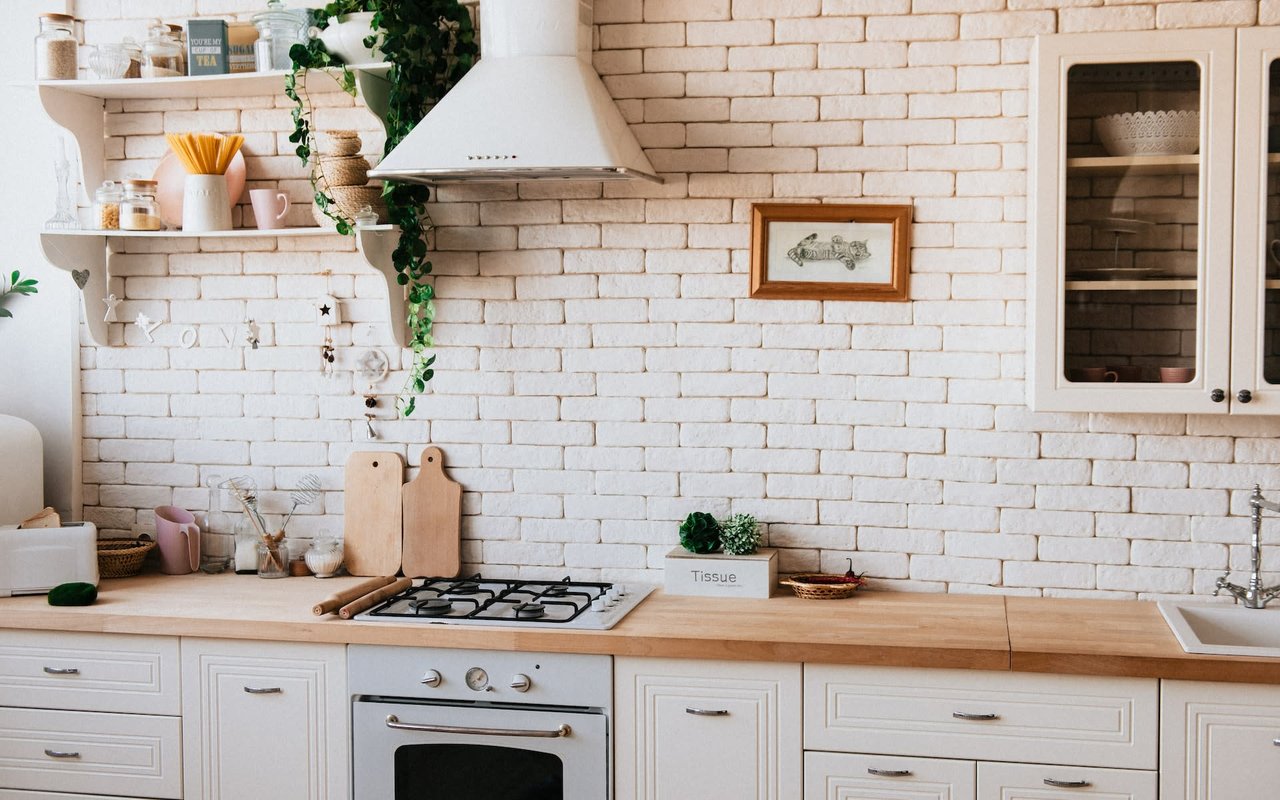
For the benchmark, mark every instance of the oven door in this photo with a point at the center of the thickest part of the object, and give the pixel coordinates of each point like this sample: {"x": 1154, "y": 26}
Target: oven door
{"x": 419, "y": 751}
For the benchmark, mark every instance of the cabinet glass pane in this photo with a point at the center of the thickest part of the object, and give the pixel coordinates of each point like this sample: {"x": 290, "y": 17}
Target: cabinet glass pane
{"x": 1132, "y": 207}
{"x": 1271, "y": 230}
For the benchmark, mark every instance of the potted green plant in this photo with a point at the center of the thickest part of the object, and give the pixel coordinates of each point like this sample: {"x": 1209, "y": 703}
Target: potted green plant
{"x": 15, "y": 286}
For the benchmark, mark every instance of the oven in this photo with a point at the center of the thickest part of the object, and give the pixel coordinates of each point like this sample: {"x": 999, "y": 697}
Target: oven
{"x": 435, "y": 724}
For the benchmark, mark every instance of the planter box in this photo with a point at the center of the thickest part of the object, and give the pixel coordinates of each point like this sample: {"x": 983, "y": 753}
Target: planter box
{"x": 720, "y": 574}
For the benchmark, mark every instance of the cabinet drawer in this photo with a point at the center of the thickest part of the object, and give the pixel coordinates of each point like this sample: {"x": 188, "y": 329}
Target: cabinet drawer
{"x": 113, "y": 754}
{"x": 90, "y": 672}
{"x": 23, "y": 794}
{"x": 997, "y": 716}
{"x": 842, "y": 776}
{"x": 1040, "y": 782}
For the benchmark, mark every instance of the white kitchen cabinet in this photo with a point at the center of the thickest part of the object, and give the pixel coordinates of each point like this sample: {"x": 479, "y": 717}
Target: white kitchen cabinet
{"x": 1050, "y": 782}
{"x": 1148, "y": 277}
{"x": 714, "y": 730}
{"x": 1219, "y": 741}
{"x": 847, "y": 776}
{"x": 265, "y": 720}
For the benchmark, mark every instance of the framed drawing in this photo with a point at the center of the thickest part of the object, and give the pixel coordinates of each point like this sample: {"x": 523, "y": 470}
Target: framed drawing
{"x": 806, "y": 251}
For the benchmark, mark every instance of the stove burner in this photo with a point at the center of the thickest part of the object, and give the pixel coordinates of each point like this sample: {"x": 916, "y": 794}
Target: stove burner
{"x": 431, "y": 606}
{"x": 463, "y": 587}
{"x": 558, "y": 590}
{"x": 529, "y": 610}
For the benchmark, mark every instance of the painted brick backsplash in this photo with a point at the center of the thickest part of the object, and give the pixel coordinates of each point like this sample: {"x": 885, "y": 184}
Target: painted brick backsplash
{"x": 601, "y": 370}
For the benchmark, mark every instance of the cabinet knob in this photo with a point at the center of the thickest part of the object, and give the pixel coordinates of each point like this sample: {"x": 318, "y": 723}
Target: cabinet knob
{"x": 1244, "y": 396}
{"x": 521, "y": 683}
{"x": 1217, "y": 395}
{"x": 431, "y": 678}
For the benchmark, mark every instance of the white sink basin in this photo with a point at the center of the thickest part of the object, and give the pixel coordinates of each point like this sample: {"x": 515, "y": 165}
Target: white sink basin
{"x": 1225, "y": 630}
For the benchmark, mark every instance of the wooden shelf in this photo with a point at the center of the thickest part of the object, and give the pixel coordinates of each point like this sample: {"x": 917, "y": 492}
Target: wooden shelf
{"x": 243, "y": 84}
{"x": 85, "y": 252}
{"x": 1155, "y": 285}
{"x": 1134, "y": 165}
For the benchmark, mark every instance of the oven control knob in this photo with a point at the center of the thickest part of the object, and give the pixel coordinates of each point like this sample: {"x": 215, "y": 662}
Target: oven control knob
{"x": 431, "y": 678}
{"x": 600, "y": 604}
{"x": 521, "y": 683}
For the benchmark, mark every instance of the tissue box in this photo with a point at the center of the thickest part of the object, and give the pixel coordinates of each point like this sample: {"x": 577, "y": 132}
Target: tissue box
{"x": 720, "y": 574}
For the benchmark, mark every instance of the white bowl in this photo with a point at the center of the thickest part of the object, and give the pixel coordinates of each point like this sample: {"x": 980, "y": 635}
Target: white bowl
{"x": 1150, "y": 133}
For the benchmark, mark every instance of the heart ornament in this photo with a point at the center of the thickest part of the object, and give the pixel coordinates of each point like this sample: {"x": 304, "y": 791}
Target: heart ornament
{"x": 81, "y": 277}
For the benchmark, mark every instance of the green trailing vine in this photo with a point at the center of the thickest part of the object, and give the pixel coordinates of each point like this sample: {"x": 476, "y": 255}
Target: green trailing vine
{"x": 430, "y": 45}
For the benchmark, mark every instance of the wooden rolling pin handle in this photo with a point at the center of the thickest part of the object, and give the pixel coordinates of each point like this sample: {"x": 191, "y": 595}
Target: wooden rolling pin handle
{"x": 339, "y": 599}
{"x": 368, "y": 601}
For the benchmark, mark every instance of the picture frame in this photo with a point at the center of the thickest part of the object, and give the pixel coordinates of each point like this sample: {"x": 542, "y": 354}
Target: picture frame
{"x": 814, "y": 251}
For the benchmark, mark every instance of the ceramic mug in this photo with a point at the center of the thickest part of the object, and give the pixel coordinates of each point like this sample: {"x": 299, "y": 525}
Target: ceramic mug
{"x": 1177, "y": 374}
{"x": 1126, "y": 373}
{"x": 269, "y": 208}
{"x": 179, "y": 538}
{"x": 1093, "y": 375}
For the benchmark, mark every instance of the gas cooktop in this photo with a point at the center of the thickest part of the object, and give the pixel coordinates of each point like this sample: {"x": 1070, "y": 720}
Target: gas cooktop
{"x": 578, "y": 605}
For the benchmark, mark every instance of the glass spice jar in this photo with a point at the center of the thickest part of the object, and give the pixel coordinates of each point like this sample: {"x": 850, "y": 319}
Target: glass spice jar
{"x": 56, "y": 48}
{"x": 139, "y": 210}
{"x": 162, "y": 54}
{"x": 106, "y": 206}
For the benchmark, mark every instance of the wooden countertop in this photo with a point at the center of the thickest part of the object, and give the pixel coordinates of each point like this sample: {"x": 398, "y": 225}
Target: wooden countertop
{"x": 1086, "y": 637}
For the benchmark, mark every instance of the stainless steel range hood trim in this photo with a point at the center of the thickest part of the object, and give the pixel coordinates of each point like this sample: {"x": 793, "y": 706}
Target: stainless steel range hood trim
{"x": 512, "y": 174}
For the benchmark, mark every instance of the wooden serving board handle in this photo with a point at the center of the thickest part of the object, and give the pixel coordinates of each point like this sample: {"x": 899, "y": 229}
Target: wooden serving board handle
{"x": 432, "y": 520}
{"x": 372, "y": 520}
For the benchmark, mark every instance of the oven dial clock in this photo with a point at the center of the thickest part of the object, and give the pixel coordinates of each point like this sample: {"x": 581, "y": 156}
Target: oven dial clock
{"x": 521, "y": 683}
{"x": 478, "y": 680}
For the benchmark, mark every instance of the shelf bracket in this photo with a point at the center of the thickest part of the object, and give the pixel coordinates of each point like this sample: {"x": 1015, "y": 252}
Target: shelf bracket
{"x": 375, "y": 89}
{"x": 80, "y": 117}
{"x": 377, "y": 247}
{"x": 81, "y": 254}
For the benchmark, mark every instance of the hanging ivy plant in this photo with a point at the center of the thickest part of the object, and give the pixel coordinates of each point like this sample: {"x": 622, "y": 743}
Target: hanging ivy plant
{"x": 430, "y": 45}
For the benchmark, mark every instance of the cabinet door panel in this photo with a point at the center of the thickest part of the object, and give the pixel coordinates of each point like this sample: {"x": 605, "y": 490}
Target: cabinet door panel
{"x": 1218, "y": 740}
{"x": 1044, "y": 782}
{"x": 843, "y": 776}
{"x": 707, "y": 729}
{"x": 265, "y": 720}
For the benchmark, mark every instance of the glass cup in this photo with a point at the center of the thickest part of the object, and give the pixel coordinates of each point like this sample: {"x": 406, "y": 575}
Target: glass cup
{"x": 273, "y": 560}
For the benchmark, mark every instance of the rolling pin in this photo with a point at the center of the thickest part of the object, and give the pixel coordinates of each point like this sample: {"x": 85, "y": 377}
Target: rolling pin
{"x": 368, "y": 601}
{"x": 339, "y": 599}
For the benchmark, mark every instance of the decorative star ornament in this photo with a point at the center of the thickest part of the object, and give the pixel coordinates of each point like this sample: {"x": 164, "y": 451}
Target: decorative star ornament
{"x": 328, "y": 312}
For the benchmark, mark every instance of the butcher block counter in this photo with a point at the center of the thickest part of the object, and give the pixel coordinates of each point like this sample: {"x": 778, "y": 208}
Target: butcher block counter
{"x": 1081, "y": 637}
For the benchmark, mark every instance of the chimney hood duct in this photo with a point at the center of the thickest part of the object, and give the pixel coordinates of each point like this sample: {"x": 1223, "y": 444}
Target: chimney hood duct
{"x": 532, "y": 108}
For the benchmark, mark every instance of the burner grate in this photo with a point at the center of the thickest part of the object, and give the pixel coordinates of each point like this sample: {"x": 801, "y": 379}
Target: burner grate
{"x": 493, "y": 600}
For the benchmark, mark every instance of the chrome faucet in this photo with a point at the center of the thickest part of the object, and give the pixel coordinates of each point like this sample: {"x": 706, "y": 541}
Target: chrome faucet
{"x": 1255, "y": 595}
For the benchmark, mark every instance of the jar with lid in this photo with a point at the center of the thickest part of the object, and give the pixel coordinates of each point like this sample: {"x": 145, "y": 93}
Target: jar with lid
{"x": 139, "y": 210}
{"x": 56, "y": 48}
{"x": 106, "y": 205}
{"x": 162, "y": 53}
{"x": 179, "y": 35}
{"x": 279, "y": 29}
{"x": 324, "y": 559}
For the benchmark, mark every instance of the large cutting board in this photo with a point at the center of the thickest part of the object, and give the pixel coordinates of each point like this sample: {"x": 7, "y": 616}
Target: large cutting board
{"x": 372, "y": 513}
{"x": 432, "y": 520}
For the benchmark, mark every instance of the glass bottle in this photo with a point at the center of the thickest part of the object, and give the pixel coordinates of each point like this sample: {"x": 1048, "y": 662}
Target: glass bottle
{"x": 56, "y": 48}
{"x": 106, "y": 206}
{"x": 139, "y": 210}
{"x": 162, "y": 54}
{"x": 279, "y": 29}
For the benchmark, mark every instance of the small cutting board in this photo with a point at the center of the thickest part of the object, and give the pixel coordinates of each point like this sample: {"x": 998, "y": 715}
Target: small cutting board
{"x": 372, "y": 513}
{"x": 432, "y": 520}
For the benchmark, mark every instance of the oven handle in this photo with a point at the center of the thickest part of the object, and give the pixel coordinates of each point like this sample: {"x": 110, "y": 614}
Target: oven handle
{"x": 394, "y": 722}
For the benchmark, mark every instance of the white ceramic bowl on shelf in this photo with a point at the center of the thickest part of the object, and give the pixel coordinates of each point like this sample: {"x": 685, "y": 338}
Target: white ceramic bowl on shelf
{"x": 1150, "y": 133}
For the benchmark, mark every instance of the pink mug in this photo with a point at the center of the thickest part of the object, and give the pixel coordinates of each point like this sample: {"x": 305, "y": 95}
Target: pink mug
{"x": 269, "y": 208}
{"x": 179, "y": 539}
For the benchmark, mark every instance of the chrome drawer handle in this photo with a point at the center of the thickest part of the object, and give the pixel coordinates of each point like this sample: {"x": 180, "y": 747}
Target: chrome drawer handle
{"x": 1067, "y": 784}
{"x": 707, "y": 712}
{"x": 62, "y": 670}
{"x": 60, "y": 754}
{"x": 1276, "y": 742}
{"x": 888, "y": 773}
{"x": 559, "y": 733}
{"x": 974, "y": 717}
{"x": 264, "y": 690}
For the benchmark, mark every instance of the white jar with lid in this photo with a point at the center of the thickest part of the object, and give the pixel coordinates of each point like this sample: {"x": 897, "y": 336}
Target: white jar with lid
{"x": 57, "y": 48}
{"x": 139, "y": 210}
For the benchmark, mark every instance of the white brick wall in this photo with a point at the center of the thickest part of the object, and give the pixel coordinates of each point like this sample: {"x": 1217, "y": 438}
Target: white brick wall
{"x": 601, "y": 373}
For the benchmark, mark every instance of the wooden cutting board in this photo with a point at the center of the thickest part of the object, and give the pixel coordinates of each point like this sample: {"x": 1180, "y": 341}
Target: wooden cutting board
{"x": 372, "y": 513}
{"x": 432, "y": 520}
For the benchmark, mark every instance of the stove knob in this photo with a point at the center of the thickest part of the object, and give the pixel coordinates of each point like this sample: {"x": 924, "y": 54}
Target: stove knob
{"x": 614, "y": 595}
{"x": 521, "y": 683}
{"x": 431, "y": 678}
{"x": 619, "y": 590}
{"x": 600, "y": 604}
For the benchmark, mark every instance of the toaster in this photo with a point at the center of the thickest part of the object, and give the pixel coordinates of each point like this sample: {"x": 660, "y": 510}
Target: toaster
{"x": 33, "y": 561}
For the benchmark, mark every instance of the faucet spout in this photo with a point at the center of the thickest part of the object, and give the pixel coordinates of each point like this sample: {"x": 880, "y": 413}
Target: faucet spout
{"x": 1254, "y": 595}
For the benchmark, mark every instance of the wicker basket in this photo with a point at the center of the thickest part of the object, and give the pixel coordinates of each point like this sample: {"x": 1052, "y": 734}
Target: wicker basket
{"x": 804, "y": 588}
{"x": 338, "y": 143}
{"x": 122, "y": 558}
{"x": 341, "y": 171}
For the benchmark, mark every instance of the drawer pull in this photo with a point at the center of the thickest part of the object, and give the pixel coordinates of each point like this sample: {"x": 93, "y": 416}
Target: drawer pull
{"x": 888, "y": 773}
{"x": 974, "y": 717}
{"x": 707, "y": 712}
{"x": 61, "y": 671}
{"x": 1276, "y": 742}
{"x": 1067, "y": 784}
{"x": 60, "y": 754}
{"x": 263, "y": 690}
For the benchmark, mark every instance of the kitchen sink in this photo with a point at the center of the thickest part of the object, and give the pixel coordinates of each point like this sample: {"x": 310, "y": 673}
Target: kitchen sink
{"x": 1225, "y": 630}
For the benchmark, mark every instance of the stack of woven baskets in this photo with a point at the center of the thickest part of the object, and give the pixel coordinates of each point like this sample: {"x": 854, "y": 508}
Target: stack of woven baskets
{"x": 343, "y": 174}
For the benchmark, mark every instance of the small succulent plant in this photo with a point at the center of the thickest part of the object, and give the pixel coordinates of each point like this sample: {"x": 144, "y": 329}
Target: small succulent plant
{"x": 700, "y": 533}
{"x": 740, "y": 534}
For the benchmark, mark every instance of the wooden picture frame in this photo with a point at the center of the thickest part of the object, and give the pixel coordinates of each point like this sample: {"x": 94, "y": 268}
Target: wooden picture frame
{"x": 804, "y": 251}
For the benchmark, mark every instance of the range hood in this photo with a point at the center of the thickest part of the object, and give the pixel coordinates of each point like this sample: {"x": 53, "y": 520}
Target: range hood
{"x": 532, "y": 108}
